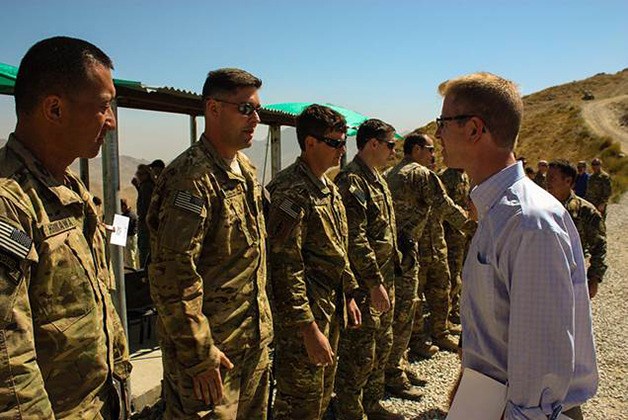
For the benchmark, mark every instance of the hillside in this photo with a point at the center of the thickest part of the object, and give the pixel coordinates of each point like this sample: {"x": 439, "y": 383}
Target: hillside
{"x": 559, "y": 123}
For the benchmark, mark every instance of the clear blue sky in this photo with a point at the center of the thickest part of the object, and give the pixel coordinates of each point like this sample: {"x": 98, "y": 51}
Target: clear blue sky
{"x": 381, "y": 58}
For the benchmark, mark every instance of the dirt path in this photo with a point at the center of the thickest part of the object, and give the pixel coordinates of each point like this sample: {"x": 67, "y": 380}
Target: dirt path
{"x": 604, "y": 120}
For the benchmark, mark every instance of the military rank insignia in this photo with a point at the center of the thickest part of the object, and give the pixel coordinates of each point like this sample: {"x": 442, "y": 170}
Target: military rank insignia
{"x": 186, "y": 201}
{"x": 14, "y": 241}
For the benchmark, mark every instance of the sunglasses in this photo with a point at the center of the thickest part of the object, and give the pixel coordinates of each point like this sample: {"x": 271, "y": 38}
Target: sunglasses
{"x": 333, "y": 143}
{"x": 244, "y": 108}
{"x": 389, "y": 144}
{"x": 440, "y": 121}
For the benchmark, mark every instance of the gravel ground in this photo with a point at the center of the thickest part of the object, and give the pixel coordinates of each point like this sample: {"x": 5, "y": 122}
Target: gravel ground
{"x": 610, "y": 325}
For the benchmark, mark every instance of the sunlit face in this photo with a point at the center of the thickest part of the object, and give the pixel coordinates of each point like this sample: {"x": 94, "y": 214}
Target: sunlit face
{"x": 325, "y": 155}
{"x": 89, "y": 114}
{"x": 558, "y": 184}
{"x": 384, "y": 150}
{"x": 452, "y": 137}
{"x": 236, "y": 129}
{"x": 425, "y": 154}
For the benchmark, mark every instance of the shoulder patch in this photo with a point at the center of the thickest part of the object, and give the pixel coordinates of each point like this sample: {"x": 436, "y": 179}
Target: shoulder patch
{"x": 186, "y": 201}
{"x": 290, "y": 208}
{"x": 358, "y": 194}
{"x": 14, "y": 241}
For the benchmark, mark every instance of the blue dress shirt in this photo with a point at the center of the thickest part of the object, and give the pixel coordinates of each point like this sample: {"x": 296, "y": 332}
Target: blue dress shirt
{"x": 525, "y": 311}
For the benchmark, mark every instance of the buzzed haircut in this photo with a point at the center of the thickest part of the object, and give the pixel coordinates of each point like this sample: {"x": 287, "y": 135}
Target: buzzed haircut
{"x": 224, "y": 82}
{"x": 55, "y": 66}
{"x": 373, "y": 128}
{"x": 414, "y": 138}
{"x": 565, "y": 168}
{"x": 318, "y": 121}
{"x": 493, "y": 99}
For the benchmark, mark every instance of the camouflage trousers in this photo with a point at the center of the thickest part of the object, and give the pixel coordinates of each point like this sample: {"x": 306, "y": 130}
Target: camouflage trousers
{"x": 406, "y": 299}
{"x": 434, "y": 284}
{"x": 246, "y": 388}
{"x": 457, "y": 245}
{"x": 303, "y": 389}
{"x": 363, "y": 355}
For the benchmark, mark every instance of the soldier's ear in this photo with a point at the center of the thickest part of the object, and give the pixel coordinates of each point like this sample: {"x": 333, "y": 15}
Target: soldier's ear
{"x": 52, "y": 107}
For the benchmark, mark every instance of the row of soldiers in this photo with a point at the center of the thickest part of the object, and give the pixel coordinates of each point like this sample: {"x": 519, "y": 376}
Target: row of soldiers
{"x": 347, "y": 259}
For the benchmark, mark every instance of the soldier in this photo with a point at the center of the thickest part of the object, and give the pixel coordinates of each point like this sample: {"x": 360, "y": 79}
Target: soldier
{"x": 208, "y": 268}
{"x": 541, "y": 174}
{"x": 434, "y": 276}
{"x": 582, "y": 180}
{"x": 62, "y": 341}
{"x": 588, "y": 221}
{"x": 599, "y": 187}
{"x": 415, "y": 191}
{"x": 309, "y": 266}
{"x": 374, "y": 260}
{"x": 456, "y": 183}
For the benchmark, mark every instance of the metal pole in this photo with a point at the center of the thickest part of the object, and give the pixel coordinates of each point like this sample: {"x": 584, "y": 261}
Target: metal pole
{"x": 275, "y": 149}
{"x": 111, "y": 192}
{"x": 193, "y": 135}
{"x": 84, "y": 171}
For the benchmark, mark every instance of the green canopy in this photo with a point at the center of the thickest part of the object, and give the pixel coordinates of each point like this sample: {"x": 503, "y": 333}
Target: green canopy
{"x": 354, "y": 119}
{"x": 8, "y": 74}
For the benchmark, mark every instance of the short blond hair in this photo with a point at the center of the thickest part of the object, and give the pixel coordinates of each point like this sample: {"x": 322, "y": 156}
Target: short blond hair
{"x": 494, "y": 99}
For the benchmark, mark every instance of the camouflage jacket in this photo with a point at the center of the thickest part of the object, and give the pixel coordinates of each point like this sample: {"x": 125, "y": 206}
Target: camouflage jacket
{"x": 417, "y": 191}
{"x": 61, "y": 338}
{"x": 457, "y": 185}
{"x": 371, "y": 218}
{"x": 308, "y": 242}
{"x": 592, "y": 231}
{"x": 598, "y": 188}
{"x": 208, "y": 268}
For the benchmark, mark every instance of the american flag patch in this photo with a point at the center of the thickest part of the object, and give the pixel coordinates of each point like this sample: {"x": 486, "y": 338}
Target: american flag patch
{"x": 186, "y": 201}
{"x": 290, "y": 208}
{"x": 14, "y": 240}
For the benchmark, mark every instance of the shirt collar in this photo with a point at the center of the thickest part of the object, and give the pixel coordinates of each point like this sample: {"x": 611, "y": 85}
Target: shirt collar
{"x": 211, "y": 151}
{"x": 321, "y": 186}
{"x": 485, "y": 195}
{"x": 66, "y": 195}
{"x": 371, "y": 174}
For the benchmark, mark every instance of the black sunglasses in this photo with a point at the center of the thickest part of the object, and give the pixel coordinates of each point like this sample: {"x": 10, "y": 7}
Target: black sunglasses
{"x": 244, "y": 108}
{"x": 334, "y": 143}
{"x": 440, "y": 121}
{"x": 390, "y": 144}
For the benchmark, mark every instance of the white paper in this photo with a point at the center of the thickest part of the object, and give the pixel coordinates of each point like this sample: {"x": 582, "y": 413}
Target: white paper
{"x": 120, "y": 228}
{"x": 478, "y": 398}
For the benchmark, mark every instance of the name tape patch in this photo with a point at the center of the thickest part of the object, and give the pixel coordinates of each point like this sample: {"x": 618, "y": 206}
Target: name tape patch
{"x": 14, "y": 240}
{"x": 186, "y": 201}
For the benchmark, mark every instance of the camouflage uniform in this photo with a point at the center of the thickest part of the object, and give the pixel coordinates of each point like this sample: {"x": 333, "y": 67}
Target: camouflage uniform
{"x": 309, "y": 266}
{"x": 456, "y": 182}
{"x": 208, "y": 282}
{"x": 61, "y": 339}
{"x": 541, "y": 180}
{"x": 592, "y": 231}
{"x": 434, "y": 276}
{"x": 599, "y": 190}
{"x": 374, "y": 260}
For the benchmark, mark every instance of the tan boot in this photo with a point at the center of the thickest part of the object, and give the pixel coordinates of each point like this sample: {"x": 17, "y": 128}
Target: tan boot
{"x": 446, "y": 342}
{"x": 401, "y": 387}
{"x": 423, "y": 350}
{"x": 455, "y": 329}
{"x": 379, "y": 412}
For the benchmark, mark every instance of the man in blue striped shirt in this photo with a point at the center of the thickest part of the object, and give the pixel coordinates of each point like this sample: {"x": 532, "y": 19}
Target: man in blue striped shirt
{"x": 525, "y": 308}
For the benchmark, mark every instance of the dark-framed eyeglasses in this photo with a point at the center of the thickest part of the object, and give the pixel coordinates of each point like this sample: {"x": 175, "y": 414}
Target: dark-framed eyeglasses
{"x": 440, "y": 121}
{"x": 389, "y": 144}
{"x": 333, "y": 143}
{"x": 244, "y": 108}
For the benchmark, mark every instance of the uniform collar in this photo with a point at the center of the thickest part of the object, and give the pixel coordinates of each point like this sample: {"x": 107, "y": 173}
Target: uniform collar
{"x": 211, "y": 151}
{"x": 371, "y": 174}
{"x": 321, "y": 186}
{"x": 66, "y": 196}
